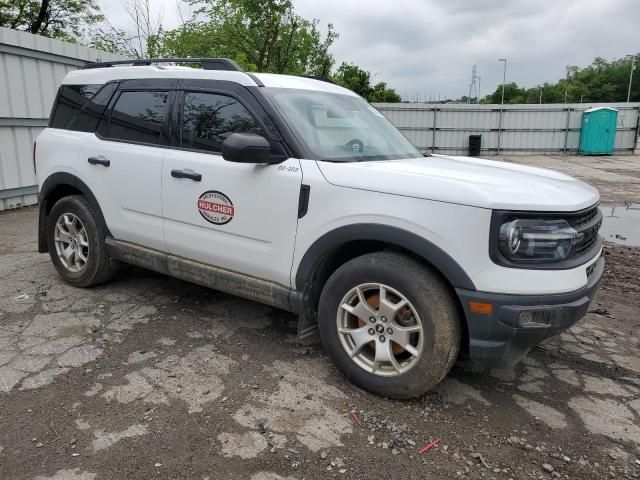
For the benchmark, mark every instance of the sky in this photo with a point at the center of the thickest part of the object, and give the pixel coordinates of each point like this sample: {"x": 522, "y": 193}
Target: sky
{"x": 427, "y": 48}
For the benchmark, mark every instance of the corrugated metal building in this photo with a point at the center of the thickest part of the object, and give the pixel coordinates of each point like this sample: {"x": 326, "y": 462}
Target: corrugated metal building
{"x": 513, "y": 129}
{"x": 31, "y": 68}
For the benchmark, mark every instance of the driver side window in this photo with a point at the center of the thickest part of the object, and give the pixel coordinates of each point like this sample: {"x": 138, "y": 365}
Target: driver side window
{"x": 209, "y": 118}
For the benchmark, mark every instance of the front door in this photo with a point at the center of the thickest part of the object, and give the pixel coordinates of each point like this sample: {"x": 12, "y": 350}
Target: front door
{"x": 240, "y": 217}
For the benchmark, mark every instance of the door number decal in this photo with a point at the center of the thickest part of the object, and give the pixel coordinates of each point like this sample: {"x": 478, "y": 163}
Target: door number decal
{"x": 215, "y": 207}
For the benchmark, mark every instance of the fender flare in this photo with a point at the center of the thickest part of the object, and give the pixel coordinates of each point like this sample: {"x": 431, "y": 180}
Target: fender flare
{"x": 423, "y": 248}
{"x": 53, "y": 181}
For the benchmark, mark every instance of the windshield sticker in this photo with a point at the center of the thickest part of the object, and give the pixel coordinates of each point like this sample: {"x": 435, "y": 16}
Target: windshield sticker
{"x": 216, "y": 207}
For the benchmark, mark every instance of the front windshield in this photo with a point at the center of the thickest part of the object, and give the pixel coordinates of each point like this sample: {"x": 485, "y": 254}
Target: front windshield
{"x": 336, "y": 127}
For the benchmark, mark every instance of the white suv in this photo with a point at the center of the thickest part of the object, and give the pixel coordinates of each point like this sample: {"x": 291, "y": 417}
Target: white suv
{"x": 297, "y": 193}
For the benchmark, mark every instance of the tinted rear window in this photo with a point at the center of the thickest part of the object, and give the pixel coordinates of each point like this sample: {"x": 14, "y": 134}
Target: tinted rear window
{"x": 86, "y": 120}
{"x": 71, "y": 99}
{"x": 138, "y": 116}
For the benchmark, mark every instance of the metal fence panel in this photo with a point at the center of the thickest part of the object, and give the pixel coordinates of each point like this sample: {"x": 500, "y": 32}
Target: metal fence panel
{"x": 512, "y": 129}
{"x": 31, "y": 69}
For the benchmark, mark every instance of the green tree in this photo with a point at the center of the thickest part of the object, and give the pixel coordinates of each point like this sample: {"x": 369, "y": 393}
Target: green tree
{"x": 383, "y": 94}
{"x": 266, "y": 36}
{"x": 354, "y": 78}
{"x": 62, "y": 19}
{"x": 358, "y": 80}
{"x": 512, "y": 94}
{"x": 262, "y": 35}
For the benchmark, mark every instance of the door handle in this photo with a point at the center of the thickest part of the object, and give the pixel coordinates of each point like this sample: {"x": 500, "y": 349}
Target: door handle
{"x": 99, "y": 161}
{"x": 196, "y": 177}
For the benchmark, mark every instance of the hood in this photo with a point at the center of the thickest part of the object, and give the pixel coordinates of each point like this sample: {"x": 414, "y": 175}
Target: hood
{"x": 466, "y": 181}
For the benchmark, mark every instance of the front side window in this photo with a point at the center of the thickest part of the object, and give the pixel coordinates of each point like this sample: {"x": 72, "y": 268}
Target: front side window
{"x": 338, "y": 127}
{"x": 138, "y": 117}
{"x": 208, "y": 119}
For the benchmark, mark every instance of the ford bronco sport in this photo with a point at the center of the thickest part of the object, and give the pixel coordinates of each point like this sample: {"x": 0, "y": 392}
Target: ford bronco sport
{"x": 297, "y": 193}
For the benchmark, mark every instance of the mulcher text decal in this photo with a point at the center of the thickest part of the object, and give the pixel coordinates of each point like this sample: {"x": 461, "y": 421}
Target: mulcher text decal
{"x": 215, "y": 207}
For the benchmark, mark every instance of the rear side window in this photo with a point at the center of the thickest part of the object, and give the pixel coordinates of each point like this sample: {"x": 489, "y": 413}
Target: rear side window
{"x": 208, "y": 118}
{"x": 138, "y": 117}
{"x": 71, "y": 99}
{"x": 86, "y": 120}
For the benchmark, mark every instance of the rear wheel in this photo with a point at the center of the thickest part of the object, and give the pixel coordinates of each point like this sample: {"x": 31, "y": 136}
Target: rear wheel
{"x": 390, "y": 324}
{"x": 76, "y": 243}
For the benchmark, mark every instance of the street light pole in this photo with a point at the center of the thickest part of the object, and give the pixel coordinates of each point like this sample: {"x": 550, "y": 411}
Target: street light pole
{"x": 633, "y": 67}
{"x": 504, "y": 77}
{"x": 504, "y": 80}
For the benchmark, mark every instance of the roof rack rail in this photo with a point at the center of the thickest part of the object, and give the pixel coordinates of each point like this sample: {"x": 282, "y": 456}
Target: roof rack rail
{"x": 207, "y": 63}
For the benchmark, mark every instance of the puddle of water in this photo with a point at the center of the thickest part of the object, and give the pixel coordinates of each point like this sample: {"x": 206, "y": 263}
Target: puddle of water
{"x": 621, "y": 223}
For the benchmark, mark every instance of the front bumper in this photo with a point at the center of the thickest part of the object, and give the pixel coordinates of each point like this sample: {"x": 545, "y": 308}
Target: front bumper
{"x": 504, "y": 336}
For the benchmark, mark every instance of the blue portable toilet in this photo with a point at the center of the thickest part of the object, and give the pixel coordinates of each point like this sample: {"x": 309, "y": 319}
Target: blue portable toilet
{"x": 598, "y": 132}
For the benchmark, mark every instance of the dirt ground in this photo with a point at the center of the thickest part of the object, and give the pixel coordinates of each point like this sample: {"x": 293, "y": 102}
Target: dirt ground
{"x": 150, "y": 377}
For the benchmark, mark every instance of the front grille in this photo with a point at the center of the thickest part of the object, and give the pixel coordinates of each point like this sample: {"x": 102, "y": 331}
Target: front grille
{"x": 586, "y": 223}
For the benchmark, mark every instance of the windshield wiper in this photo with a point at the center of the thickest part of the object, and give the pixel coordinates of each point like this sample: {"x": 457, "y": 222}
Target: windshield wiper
{"x": 340, "y": 160}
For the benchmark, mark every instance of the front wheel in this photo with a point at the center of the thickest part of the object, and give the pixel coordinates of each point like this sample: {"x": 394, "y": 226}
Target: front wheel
{"x": 390, "y": 324}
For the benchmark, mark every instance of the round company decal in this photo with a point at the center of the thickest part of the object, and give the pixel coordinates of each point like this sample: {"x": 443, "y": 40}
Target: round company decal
{"x": 216, "y": 207}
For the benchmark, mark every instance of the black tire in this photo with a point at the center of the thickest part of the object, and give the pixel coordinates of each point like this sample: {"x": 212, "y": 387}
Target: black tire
{"x": 99, "y": 268}
{"x": 434, "y": 303}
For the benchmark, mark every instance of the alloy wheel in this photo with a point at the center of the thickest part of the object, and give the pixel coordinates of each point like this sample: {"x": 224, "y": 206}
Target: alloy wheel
{"x": 72, "y": 242}
{"x": 380, "y": 329}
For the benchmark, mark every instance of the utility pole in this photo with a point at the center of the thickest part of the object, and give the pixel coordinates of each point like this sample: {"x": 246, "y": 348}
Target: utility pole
{"x": 633, "y": 67}
{"x": 479, "y": 80}
{"x": 504, "y": 77}
{"x": 540, "y": 88}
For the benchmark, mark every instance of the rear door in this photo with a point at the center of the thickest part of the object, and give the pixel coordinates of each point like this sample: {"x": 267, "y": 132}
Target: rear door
{"x": 241, "y": 217}
{"x": 122, "y": 163}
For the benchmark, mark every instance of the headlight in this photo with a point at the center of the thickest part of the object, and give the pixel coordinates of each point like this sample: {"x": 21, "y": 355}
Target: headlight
{"x": 537, "y": 240}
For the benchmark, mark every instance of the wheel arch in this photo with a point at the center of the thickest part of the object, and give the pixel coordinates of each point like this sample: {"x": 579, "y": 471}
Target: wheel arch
{"x": 374, "y": 234}
{"x": 338, "y": 246}
{"x": 55, "y": 187}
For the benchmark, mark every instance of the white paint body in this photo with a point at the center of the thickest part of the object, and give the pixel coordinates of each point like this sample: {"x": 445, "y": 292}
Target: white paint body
{"x": 259, "y": 240}
{"x": 446, "y": 200}
{"x": 460, "y": 228}
{"x": 129, "y": 190}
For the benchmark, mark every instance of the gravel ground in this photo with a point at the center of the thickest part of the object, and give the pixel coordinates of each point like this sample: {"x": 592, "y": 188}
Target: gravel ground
{"x": 151, "y": 377}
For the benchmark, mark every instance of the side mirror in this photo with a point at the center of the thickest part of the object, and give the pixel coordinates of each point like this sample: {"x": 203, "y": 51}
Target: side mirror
{"x": 246, "y": 148}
